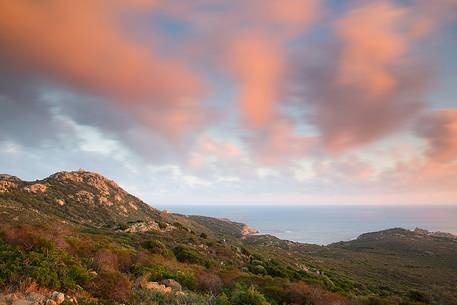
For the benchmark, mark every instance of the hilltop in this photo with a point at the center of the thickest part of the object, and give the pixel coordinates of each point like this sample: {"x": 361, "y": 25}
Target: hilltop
{"x": 81, "y": 234}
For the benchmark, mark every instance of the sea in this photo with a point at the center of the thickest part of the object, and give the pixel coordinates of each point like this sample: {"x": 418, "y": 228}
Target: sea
{"x": 323, "y": 225}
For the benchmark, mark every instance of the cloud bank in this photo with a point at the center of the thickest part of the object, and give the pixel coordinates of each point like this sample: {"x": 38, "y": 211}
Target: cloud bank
{"x": 260, "y": 97}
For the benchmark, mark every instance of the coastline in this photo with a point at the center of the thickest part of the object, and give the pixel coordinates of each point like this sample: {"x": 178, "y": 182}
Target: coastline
{"x": 323, "y": 225}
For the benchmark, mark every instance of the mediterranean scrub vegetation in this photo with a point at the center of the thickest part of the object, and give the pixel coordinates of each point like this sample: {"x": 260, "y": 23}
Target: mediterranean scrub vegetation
{"x": 104, "y": 269}
{"x": 82, "y": 235}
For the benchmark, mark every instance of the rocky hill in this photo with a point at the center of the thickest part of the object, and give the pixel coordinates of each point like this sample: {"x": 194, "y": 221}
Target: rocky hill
{"x": 78, "y": 234}
{"x": 79, "y": 196}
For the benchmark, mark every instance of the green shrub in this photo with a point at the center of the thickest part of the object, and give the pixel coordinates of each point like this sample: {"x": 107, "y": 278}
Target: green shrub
{"x": 185, "y": 278}
{"x": 48, "y": 268}
{"x": 222, "y": 299}
{"x": 258, "y": 269}
{"x": 249, "y": 296}
{"x": 155, "y": 246}
{"x": 147, "y": 296}
{"x": 188, "y": 255}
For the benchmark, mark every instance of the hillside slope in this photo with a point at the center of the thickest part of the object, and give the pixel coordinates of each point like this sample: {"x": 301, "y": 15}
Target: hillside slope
{"x": 81, "y": 196}
{"x": 82, "y": 234}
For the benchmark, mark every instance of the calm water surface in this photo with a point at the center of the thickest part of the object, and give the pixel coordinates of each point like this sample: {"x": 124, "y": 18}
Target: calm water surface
{"x": 328, "y": 224}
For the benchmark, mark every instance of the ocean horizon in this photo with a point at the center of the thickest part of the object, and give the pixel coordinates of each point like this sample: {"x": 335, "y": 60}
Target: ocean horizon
{"x": 327, "y": 224}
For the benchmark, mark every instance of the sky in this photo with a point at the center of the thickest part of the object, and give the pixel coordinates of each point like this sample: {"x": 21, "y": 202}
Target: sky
{"x": 230, "y": 102}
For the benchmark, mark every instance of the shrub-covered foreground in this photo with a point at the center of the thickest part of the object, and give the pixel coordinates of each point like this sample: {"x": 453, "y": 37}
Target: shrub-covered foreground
{"x": 100, "y": 267}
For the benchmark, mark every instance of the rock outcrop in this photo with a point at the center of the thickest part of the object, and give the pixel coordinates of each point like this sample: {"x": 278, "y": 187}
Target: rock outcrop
{"x": 6, "y": 186}
{"x": 85, "y": 197}
{"x": 35, "y": 298}
{"x": 246, "y": 230}
{"x": 36, "y": 188}
{"x": 172, "y": 284}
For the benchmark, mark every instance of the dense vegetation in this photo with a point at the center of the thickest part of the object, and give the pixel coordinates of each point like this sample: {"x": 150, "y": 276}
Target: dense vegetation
{"x": 202, "y": 260}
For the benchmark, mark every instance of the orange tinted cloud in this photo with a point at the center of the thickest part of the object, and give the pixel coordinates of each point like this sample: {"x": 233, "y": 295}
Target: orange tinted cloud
{"x": 369, "y": 84}
{"x": 278, "y": 143}
{"x": 439, "y": 129}
{"x": 287, "y": 17}
{"x": 256, "y": 63}
{"x": 209, "y": 150}
{"x": 256, "y": 56}
{"x": 372, "y": 42}
{"x": 85, "y": 44}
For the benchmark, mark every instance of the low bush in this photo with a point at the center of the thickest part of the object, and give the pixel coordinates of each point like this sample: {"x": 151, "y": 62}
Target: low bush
{"x": 54, "y": 269}
{"x": 155, "y": 246}
{"x": 188, "y": 255}
{"x": 147, "y": 296}
{"x": 185, "y": 278}
{"x": 113, "y": 286}
{"x": 303, "y": 294}
{"x": 106, "y": 261}
{"x": 209, "y": 281}
{"x": 248, "y": 296}
{"x": 222, "y": 299}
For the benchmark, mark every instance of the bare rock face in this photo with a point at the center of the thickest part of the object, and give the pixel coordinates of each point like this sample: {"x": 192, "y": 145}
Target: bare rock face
{"x": 67, "y": 177}
{"x": 172, "y": 284}
{"x": 34, "y": 298}
{"x": 6, "y": 186}
{"x": 424, "y": 232}
{"x": 133, "y": 205}
{"x": 246, "y": 230}
{"x": 58, "y": 297}
{"x": 85, "y": 197}
{"x": 143, "y": 227}
{"x": 23, "y": 302}
{"x": 60, "y": 202}
{"x": 158, "y": 287}
{"x": 7, "y": 177}
{"x": 102, "y": 184}
{"x": 105, "y": 201}
{"x": 36, "y": 188}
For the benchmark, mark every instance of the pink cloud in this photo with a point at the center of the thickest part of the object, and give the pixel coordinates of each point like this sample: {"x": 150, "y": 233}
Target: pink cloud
{"x": 208, "y": 150}
{"x": 368, "y": 84}
{"x": 439, "y": 129}
{"x": 342, "y": 169}
{"x": 256, "y": 64}
{"x": 279, "y": 143}
{"x": 372, "y": 42}
{"x": 85, "y": 45}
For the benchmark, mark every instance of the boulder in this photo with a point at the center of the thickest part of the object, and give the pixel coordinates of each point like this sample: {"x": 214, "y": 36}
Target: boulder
{"x": 141, "y": 281}
{"x": 172, "y": 284}
{"x": 36, "y": 188}
{"x": 37, "y": 298}
{"x": 158, "y": 287}
{"x": 60, "y": 202}
{"x": 50, "y": 302}
{"x": 22, "y": 302}
{"x": 180, "y": 293}
{"x": 58, "y": 297}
